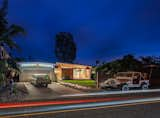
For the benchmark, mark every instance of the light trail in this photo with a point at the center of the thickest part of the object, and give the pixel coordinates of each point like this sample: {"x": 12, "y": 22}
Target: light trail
{"x": 76, "y": 107}
{"x": 111, "y": 93}
{"x": 62, "y": 102}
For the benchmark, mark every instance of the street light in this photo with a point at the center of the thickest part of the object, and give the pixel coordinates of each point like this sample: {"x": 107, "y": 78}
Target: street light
{"x": 97, "y": 80}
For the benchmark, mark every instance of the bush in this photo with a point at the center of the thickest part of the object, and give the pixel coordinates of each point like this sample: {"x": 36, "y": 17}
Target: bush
{"x": 2, "y": 80}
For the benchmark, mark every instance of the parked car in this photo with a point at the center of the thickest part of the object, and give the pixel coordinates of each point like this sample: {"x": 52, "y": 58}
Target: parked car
{"x": 41, "y": 80}
{"x": 127, "y": 80}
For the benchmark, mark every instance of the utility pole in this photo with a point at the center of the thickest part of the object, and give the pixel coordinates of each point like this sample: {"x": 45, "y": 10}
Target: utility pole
{"x": 97, "y": 74}
{"x": 97, "y": 80}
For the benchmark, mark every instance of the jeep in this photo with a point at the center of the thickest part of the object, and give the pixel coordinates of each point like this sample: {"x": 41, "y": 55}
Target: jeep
{"x": 127, "y": 80}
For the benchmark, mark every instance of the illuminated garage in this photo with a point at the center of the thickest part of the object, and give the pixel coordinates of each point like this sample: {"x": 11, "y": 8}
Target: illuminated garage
{"x": 30, "y": 69}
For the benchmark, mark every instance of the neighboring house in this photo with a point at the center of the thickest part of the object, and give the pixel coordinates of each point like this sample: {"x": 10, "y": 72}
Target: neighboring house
{"x": 72, "y": 71}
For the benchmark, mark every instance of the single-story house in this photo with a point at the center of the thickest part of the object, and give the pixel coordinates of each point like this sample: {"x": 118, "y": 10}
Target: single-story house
{"x": 56, "y": 72}
{"x": 72, "y": 71}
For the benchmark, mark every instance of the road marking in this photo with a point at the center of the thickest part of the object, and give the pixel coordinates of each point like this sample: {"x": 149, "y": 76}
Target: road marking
{"x": 133, "y": 103}
{"x": 111, "y": 93}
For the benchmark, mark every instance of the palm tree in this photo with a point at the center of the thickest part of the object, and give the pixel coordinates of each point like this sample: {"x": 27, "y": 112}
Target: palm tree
{"x": 7, "y": 32}
{"x": 3, "y": 70}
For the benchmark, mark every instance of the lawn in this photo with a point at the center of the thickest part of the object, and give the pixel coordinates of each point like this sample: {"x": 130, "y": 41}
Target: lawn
{"x": 87, "y": 83}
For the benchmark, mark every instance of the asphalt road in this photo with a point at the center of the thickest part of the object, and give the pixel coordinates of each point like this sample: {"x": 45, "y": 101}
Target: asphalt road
{"x": 149, "y": 110}
{"x": 96, "y": 106}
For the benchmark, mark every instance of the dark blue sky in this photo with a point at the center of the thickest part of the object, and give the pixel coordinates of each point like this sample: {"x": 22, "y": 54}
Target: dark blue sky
{"x": 102, "y": 29}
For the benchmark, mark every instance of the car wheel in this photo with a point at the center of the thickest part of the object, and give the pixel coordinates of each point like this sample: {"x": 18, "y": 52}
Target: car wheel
{"x": 125, "y": 88}
{"x": 45, "y": 85}
{"x": 144, "y": 86}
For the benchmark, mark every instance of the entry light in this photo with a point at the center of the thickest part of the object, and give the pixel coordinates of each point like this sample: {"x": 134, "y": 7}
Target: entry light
{"x": 38, "y": 74}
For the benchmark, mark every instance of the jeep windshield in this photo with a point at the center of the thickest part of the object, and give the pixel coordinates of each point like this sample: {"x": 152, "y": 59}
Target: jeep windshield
{"x": 124, "y": 75}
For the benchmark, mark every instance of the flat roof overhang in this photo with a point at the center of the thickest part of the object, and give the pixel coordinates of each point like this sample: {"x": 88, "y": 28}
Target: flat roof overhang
{"x": 69, "y": 65}
{"x": 30, "y": 65}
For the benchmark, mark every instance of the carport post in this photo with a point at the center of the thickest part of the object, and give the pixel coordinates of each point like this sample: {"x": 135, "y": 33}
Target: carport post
{"x": 97, "y": 80}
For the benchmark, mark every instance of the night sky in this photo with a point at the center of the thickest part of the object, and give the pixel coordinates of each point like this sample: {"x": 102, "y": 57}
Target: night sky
{"x": 102, "y": 29}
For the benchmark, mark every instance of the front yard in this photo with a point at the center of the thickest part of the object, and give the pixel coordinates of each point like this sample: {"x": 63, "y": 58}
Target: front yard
{"x": 86, "y": 83}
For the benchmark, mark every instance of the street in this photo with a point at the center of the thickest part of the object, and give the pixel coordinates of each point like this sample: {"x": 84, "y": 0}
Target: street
{"x": 123, "y": 105}
{"x": 131, "y": 111}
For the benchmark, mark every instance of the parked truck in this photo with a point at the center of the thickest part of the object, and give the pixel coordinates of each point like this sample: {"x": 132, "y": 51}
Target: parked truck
{"x": 41, "y": 80}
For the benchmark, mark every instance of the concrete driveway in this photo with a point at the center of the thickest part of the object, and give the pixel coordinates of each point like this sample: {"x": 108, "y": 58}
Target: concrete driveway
{"x": 54, "y": 90}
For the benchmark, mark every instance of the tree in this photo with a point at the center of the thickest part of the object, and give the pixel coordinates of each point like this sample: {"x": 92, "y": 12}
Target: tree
{"x": 65, "y": 47}
{"x": 7, "y": 32}
{"x": 127, "y": 63}
{"x": 97, "y": 62}
{"x": 150, "y": 60}
{"x": 130, "y": 63}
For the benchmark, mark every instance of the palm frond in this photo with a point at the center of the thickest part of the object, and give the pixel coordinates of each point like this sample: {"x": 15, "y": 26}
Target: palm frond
{"x": 10, "y": 43}
{"x": 16, "y": 29}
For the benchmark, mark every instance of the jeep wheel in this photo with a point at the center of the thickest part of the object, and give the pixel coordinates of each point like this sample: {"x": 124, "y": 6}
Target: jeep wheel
{"x": 125, "y": 88}
{"x": 144, "y": 86}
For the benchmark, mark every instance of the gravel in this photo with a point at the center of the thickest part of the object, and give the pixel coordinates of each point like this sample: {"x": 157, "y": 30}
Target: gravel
{"x": 20, "y": 92}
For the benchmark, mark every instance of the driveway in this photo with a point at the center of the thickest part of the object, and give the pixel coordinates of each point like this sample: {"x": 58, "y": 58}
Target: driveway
{"x": 54, "y": 90}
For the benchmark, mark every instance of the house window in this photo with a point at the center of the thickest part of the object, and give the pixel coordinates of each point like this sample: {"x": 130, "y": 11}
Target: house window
{"x": 79, "y": 73}
{"x": 76, "y": 73}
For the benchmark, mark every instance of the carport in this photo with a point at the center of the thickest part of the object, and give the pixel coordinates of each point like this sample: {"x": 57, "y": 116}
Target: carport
{"x": 28, "y": 69}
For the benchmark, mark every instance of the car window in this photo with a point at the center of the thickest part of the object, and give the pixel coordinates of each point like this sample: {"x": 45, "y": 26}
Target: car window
{"x": 112, "y": 82}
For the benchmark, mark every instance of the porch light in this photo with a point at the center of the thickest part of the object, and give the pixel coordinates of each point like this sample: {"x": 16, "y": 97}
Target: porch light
{"x": 87, "y": 68}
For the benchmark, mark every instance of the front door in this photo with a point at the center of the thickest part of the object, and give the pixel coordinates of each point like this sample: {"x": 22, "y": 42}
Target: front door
{"x": 67, "y": 73}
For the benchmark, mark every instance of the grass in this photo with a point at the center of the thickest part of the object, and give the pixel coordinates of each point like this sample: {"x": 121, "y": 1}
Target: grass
{"x": 86, "y": 83}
